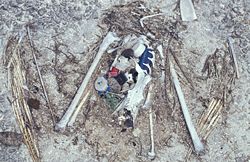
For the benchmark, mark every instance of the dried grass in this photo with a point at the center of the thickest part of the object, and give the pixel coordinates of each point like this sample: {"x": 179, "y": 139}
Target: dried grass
{"x": 19, "y": 94}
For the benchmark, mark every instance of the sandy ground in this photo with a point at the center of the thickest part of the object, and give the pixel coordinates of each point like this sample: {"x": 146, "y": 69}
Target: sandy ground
{"x": 65, "y": 28}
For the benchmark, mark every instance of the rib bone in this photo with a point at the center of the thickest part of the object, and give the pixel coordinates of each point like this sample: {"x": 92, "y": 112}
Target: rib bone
{"x": 107, "y": 41}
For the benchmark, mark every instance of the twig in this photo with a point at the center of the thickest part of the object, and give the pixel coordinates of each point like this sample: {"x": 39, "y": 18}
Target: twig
{"x": 40, "y": 76}
{"x": 179, "y": 65}
{"x": 232, "y": 52}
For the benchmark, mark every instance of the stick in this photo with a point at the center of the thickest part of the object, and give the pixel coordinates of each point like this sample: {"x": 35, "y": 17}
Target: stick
{"x": 198, "y": 145}
{"x": 40, "y": 76}
{"x": 109, "y": 39}
{"x": 179, "y": 65}
{"x": 232, "y": 52}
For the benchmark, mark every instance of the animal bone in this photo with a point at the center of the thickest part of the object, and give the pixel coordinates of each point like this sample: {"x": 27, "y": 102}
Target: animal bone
{"x": 135, "y": 95}
{"x": 107, "y": 41}
{"x": 151, "y": 153}
{"x": 73, "y": 118}
{"x": 198, "y": 145}
{"x": 148, "y": 101}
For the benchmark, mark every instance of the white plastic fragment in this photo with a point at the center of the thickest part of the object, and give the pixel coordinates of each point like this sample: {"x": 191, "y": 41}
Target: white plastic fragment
{"x": 198, "y": 145}
{"x": 187, "y": 10}
{"x": 138, "y": 48}
{"x": 101, "y": 84}
{"x": 121, "y": 63}
{"x": 232, "y": 52}
{"x": 135, "y": 95}
{"x": 127, "y": 42}
{"x": 149, "y": 16}
{"x": 107, "y": 41}
{"x": 160, "y": 50}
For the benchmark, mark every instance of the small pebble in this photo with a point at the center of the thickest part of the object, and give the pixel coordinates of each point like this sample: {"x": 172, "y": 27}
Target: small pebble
{"x": 41, "y": 11}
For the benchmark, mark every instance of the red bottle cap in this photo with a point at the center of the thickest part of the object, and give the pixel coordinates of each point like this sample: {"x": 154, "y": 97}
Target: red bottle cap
{"x": 113, "y": 72}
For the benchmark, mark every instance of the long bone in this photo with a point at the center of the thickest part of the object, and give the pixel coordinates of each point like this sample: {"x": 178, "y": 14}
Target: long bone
{"x": 198, "y": 145}
{"x": 148, "y": 105}
{"x": 107, "y": 41}
{"x": 151, "y": 153}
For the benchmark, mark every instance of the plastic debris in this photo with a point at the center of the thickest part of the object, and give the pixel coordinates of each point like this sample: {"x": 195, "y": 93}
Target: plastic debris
{"x": 121, "y": 78}
{"x": 160, "y": 50}
{"x": 113, "y": 72}
{"x": 139, "y": 48}
{"x": 101, "y": 85}
{"x": 126, "y": 119}
{"x": 112, "y": 100}
{"x": 128, "y": 53}
{"x": 128, "y": 75}
{"x": 135, "y": 95}
{"x": 187, "y": 10}
{"x": 147, "y": 60}
{"x": 115, "y": 87}
{"x": 121, "y": 63}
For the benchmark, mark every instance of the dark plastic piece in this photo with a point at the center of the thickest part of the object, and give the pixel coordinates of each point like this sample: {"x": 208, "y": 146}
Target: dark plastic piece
{"x": 121, "y": 78}
{"x": 128, "y": 53}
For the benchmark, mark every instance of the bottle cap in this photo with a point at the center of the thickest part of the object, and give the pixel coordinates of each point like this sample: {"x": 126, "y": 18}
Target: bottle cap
{"x": 101, "y": 84}
{"x": 138, "y": 48}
